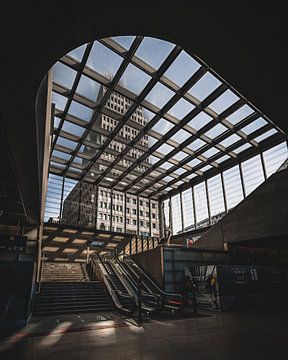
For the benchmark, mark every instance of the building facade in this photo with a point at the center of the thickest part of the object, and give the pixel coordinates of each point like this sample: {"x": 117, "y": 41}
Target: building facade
{"x": 88, "y": 205}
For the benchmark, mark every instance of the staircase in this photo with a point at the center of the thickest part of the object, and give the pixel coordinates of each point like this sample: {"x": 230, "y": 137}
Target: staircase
{"x": 66, "y": 288}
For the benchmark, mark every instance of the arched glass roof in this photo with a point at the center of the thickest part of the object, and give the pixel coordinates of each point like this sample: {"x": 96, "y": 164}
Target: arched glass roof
{"x": 141, "y": 115}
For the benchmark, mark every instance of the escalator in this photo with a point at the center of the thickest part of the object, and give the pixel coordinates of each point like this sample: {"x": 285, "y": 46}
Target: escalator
{"x": 168, "y": 301}
{"x": 122, "y": 299}
{"x": 127, "y": 284}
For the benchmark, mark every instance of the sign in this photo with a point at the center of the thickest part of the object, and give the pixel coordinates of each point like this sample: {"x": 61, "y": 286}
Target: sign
{"x": 189, "y": 242}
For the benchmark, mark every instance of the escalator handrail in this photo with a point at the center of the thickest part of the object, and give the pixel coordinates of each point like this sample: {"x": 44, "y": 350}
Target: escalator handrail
{"x": 145, "y": 296}
{"x": 131, "y": 279}
{"x": 149, "y": 279}
{"x": 119, "y": 293}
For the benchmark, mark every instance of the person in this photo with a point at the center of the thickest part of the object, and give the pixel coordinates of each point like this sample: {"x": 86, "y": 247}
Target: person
{"x": 213, "y": 290}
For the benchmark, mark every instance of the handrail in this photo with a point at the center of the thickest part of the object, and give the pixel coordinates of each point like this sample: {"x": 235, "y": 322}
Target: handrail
{"x": 131, "y": 279}
{"x": 134, "y": 288}
{"x": 150, "y": 280}
{"x": 107, "y": 280}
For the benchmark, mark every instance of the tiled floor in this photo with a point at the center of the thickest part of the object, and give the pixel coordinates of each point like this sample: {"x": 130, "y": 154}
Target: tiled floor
{"x": 227, "y": 336}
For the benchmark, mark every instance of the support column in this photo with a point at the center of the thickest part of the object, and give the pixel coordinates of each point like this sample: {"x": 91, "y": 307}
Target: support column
{"x": 111, "y": 209}
{"x": 242, "y": 180}
{"x": 170, "y": 215}
{"x": 208, "y": 202}
{"x": 194, "y": 208}
{"x": 96, "y": 206}
{"x": 137, "y": 203}
{"x": 61, "y": 201}
{"x": 150, "y": 218}
{"x": 125, "y": 216}
{"x": 79, "y": 203}
{"x": 181, "y": 209}
{"x": 224, "y": 194}
{"x": 263, "y": 165}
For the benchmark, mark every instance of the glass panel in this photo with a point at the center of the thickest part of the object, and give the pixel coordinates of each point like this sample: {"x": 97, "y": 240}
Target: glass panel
{"x": 56, "y": 122}
{"x": 134, "y": 79}
{"x": 188, "y": 212}
{"x": 73, "y": 129}
{"x": 53, "y": 198}
{"x": 71, "y": 199}
{"x": 162, "y": 126}
{"x": 125, "y": 41}
{"x": 159, "y": 95}
{"x": 252, "y": 174}
{"x": 255, "y": 125}
{"x": 222, "y": 158}
{"x": 78, "y": 53}
{"x": 90, "y": 89}
{"x": 242, "y": 148}
{"x": 165, "y": 149}
{"x": 151, "y": 141}
{"x": 194, "y": 162}
{"x": 216, "y": 198}
{"x": 179, "y": 171}
{"x": 196, "y": 144}
{"x": 210, "y": 152}
{"x": 181, "y": 109}
{"x": 61, "y": 155}
{"x": 181, "y": 136}
{"x": 154, "y": 51}
{"x": 207, "y": 167}
{"x": 230, "y": 140}
{"x": 266, "y": 135}
{"x": 153, "y": 159}
{"x": 80, "y": 111}
{"x": 216, "y": 131}
{"x": 166, "y": 165}
{"x": 103, "y": 60}
{"x": 232, "y": 186}
{"x": 176, "y": 214}
{"x": 201, "y": 206}
{"x": 205, "y": 86}
{"x": 59, "y": 101}
{"x": 223, "y": 101}
{"x": 87, "y": 205}
{"x": 240, "y": 114}
{"x": 63, "y": 75}
{"x": 166, "y": 213}
{"x": 180, "y": 156}
{"x": 274, "y": 158}
{"x": 66, "y": 143}
{"x": 181, "y": 70}
{"x": 200, "y": 120}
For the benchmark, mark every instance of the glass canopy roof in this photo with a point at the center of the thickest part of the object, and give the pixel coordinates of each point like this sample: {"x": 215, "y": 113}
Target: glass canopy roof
{"x": 143, "y": 116}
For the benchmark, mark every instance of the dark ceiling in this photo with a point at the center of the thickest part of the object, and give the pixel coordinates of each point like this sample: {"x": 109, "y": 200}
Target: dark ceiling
{"x": 244, "y": 43}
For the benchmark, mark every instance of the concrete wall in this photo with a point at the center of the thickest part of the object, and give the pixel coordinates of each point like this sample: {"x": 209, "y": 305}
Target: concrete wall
{"x": 263, "y": 214}
{"x": 151, "y": 262}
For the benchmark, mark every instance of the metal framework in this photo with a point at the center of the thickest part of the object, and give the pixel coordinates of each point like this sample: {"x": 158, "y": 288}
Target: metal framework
{"x": 196, "y": 124}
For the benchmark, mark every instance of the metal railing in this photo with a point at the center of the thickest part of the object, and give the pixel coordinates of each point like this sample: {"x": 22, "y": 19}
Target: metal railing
{"x": 98, "y": 269}
{"x": 176, "y": 299}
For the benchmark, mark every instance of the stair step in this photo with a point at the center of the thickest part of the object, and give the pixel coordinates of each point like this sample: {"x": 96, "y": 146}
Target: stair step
{"x": 70, "y": 311}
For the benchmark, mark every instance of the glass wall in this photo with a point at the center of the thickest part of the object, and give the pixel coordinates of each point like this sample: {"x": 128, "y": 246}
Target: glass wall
{"x": 231, "y": 190}
{"x": 216, "y": 198}
{"x": 253, "y": 174}
{"x": 201, "y": 206}
{"x": 274, "y": 158}
{"x": 176, "y": 214}
{"x": 188, "y": 210}
{"x": 83, "y": 204}
{"x": 233, "y": 187}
